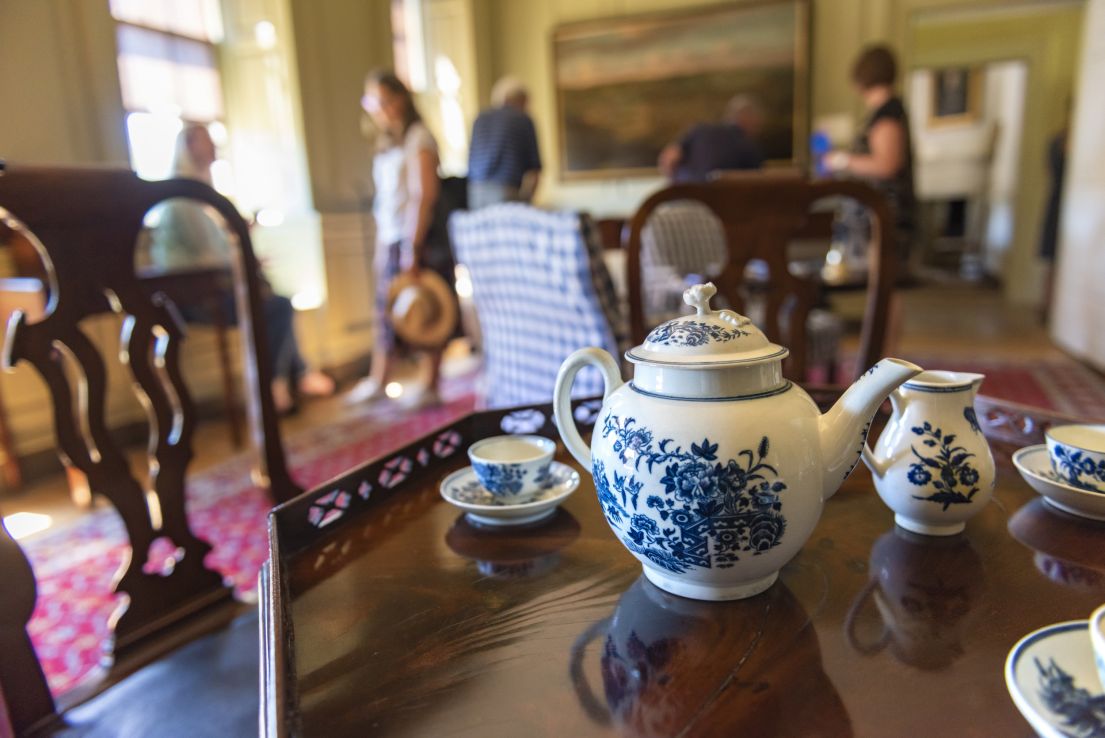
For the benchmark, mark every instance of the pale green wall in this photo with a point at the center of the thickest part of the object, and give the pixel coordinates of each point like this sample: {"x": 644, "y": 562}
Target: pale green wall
{"x": 59, "y": 87}
{"x": 1079, "y": 312}
{"x": 337, "y": 42}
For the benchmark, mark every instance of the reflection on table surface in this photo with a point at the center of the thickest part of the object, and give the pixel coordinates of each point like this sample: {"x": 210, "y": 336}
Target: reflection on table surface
{"x": 657, "y": 651}
{"x": 409, "y": 620}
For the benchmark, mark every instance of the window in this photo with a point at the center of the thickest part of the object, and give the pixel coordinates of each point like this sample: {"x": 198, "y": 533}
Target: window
{"x": 407, "y": 43}
{"x": 169, "y": 76}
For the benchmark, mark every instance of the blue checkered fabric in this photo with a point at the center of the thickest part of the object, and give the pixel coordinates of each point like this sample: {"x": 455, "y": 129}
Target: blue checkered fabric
{"x": 680, "y": 239}
{"x": 541, "y": 291}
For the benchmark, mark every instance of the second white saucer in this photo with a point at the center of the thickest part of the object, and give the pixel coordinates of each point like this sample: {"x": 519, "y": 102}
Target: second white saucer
{"x": 463, "y": 489}
{"x": 1050, "y": 675}
{"x": 1034, "y": 464}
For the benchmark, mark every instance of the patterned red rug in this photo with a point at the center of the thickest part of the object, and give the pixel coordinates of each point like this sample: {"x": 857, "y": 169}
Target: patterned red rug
{"x": 75, "y": 564}
{"x": 1062, "y": 385}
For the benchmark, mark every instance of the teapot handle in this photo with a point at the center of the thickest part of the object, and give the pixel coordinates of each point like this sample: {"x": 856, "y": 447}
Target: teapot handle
{"x": 591, "y": 705}
{"x": 562, "y": 396}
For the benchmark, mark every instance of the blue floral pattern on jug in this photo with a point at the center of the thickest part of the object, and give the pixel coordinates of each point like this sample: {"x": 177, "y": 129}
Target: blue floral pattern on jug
{"x": 692, "y": 333}
{"x": 1083, "y": 713}
{"x": 710, "y": 510}
{"x": 500, "y": 479}
{"x": 1079, "y": 470}
{"x": 949, "y": 471}
{"x": 972, "y": 418}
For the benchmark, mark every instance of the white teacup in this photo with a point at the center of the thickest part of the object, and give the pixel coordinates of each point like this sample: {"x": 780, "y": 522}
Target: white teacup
{"x": 512, "y": 468}
{"x": 1097, "y": 637}
{"x": 1078, "y": 455}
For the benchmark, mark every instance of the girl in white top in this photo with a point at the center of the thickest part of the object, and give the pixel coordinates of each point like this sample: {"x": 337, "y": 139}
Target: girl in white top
{"x": 404, "y": 171}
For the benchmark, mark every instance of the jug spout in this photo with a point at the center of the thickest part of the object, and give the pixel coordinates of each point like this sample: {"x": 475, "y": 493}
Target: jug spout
{"x": 844, "y": 428}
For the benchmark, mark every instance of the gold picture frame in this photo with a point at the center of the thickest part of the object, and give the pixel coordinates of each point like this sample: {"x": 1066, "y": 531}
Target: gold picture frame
{"x": 627, "y": 86}
{"x": 956, "y": 96}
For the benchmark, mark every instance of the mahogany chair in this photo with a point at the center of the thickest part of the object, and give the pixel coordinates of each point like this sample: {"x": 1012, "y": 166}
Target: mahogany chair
{"x": 760, "y": 216}
{"x": 87, "y": 223}
{"x": 88, "y": 246}
{"x": 203, "y": 286}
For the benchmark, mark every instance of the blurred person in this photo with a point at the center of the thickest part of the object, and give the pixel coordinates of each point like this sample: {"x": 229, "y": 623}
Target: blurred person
{"x": 504, "y": 163}
{"x": 408, "y": 236}
{"x": 188, "y": 236}
{"x": 1049, "y": 231}
{"x": 882, "y": 153}
{"x": 710, "y": 147}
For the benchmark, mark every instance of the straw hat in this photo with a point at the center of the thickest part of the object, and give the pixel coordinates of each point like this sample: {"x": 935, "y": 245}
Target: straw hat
{"x": 423, "y": 310}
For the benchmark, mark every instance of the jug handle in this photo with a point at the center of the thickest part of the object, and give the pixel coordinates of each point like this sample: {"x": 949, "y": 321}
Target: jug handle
{"x": 595, "y": 709}
{"x": 562, "y": 396}
{"x": 879, "y": 469}
{"x": 867, "y": 649}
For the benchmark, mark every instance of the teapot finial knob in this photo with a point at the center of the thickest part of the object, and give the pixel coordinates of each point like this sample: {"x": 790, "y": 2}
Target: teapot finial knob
{"x": 699, "y": 296}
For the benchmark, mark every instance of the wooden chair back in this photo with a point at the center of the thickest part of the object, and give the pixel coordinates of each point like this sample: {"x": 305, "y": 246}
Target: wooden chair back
{"x": 23, "y": 686}
{"x": 761, "y": 215}
{"x": 86, "y": 224}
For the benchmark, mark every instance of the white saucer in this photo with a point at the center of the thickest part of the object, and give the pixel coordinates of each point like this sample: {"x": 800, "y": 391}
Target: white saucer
{"x": 462, "y": 489}
{"x": 1039, "y": 673}
{"x": 1034, "y": 464}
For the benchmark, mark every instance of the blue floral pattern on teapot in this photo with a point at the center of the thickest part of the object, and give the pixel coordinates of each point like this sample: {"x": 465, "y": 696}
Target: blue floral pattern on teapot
{"x": 693, "y": 333}
{"x": 711, "y": 511}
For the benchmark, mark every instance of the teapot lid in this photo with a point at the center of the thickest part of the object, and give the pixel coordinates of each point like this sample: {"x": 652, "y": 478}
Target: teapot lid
{"x": 709, "y": 337}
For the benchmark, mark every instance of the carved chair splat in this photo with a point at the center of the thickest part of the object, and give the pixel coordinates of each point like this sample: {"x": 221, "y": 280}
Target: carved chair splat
{"x": 87, "y": 223}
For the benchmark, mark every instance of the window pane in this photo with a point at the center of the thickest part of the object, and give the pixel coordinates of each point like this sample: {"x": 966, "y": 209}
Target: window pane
{"x": 165, "y": 74}
{"x": 152, "y": 140}
{"x": 196, "y": 18}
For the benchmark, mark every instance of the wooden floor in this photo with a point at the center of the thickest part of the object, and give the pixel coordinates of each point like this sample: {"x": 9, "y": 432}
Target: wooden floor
{"x": 949, "y": 320}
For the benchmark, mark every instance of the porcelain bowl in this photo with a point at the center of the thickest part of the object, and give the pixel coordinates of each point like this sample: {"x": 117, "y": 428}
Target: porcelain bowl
{"x": 517, "y": 476}
{"x": 1078, "y": 455}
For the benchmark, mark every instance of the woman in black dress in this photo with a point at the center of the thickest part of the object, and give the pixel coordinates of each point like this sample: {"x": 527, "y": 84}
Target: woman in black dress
{"x": 882, "y": 154}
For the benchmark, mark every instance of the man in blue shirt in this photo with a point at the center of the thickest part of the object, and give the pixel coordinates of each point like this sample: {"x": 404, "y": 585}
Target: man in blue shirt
{"x": 503, "y": 161}
{"x": 711, "y": 147}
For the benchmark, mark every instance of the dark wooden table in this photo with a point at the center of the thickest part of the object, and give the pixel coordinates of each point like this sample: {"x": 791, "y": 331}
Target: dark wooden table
{"x": 385, "y": 613}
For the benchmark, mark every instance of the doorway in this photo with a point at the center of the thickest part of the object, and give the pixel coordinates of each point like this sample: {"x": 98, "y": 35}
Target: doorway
{"x": 1031, "y": 46}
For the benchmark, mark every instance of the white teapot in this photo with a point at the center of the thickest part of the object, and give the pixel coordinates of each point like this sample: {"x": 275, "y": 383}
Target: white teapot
{"x": 710, "y": 467}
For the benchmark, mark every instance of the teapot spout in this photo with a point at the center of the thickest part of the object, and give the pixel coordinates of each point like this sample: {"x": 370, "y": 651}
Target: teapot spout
{"x": 844, "y": 428}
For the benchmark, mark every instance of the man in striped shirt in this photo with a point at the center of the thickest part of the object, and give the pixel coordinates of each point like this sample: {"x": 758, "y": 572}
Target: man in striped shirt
{"x": 503, "y": 161}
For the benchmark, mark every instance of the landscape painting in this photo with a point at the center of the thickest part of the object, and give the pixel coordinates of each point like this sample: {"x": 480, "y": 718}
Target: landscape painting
{"x": 629, "y": 86}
